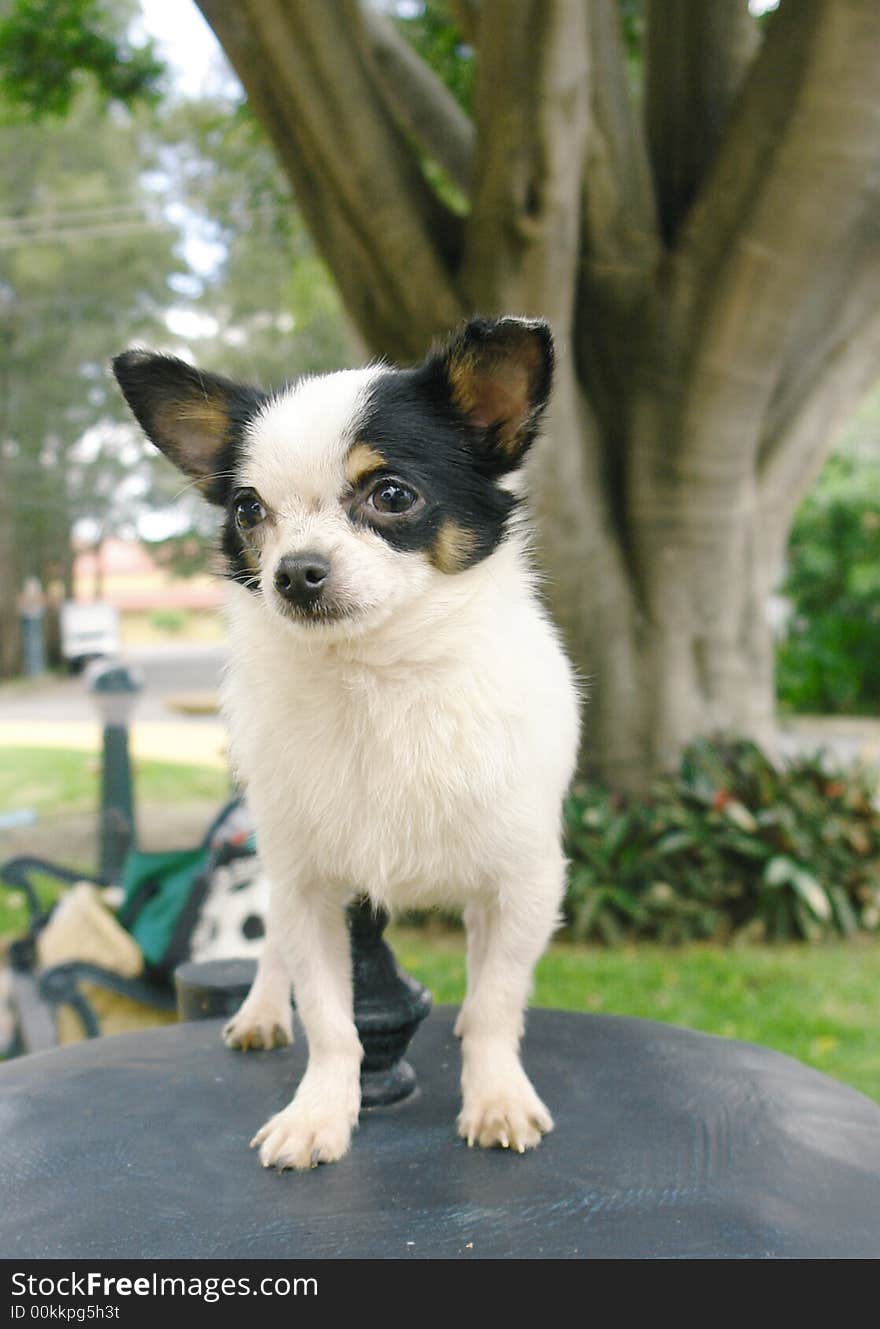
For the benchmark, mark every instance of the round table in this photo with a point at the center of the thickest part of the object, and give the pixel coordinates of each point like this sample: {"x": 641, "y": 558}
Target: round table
{"x": 667, "y": 1144}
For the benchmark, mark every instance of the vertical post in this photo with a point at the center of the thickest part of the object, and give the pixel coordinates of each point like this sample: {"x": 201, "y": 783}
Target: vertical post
{"x": 389, "y": 1005}
{"x": 115, "y": 688}
{"x": 31, "y": 606}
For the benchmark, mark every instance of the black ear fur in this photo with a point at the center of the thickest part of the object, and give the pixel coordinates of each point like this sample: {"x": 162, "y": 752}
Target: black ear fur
{"x": 193, "y": 417}
{"x": 498, "y": 374}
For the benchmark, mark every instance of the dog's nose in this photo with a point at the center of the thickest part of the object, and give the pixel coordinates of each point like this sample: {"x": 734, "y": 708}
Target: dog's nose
{"x": 300, "y": 578}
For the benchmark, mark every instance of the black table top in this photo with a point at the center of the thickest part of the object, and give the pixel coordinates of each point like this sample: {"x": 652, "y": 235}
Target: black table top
{"x": 667, "y": 1143}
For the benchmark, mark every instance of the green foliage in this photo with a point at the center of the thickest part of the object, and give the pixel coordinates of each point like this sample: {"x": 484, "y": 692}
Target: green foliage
{"x": 631, "y": 15}
{"x": 829, "y": 660}
{"x": 50, "y": 48}
{"x": 729, "y": 845}
{"x": 431, "y": 31}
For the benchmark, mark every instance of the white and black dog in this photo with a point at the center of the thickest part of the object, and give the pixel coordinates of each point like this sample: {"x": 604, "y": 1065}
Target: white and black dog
{"x": 401, "y": 711}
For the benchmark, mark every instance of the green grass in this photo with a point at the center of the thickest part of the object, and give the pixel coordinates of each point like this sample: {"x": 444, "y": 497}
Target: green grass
{"x": 58, "y": 782}
{"x": 820, "y": 1004}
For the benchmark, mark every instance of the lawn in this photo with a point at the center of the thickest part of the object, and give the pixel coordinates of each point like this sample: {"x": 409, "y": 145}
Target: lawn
{"x": 58, "y": 782}
{"x": 820, "y": 1004}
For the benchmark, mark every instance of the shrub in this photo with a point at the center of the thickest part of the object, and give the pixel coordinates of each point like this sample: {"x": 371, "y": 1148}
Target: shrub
{"x": 829, "y": 659}
{"x": 730, "y": 845}
{"x": 168, "y": 620}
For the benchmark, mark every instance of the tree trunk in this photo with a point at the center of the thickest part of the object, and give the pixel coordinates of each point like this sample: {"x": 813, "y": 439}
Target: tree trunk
{"x": 712, "y": 279}
{"x": 665, "y": 614}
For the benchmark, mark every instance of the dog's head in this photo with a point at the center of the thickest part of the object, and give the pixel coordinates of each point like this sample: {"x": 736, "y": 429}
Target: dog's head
{"x": 348, "y": 495}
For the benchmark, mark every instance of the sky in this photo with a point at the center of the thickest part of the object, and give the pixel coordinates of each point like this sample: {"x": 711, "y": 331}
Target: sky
{"x": 196, "y": 65}
{"x": 186, "y": 42}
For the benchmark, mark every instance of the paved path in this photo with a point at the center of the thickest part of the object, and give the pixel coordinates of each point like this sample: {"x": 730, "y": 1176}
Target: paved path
{"x": 170, "y": 674}
{"x": 846, "y": 738}
{"x": 59, "y": 713}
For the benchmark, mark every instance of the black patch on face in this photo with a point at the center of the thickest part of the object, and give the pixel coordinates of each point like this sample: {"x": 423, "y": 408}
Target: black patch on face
{"x": 410, "y": 419}
{"x": 237, "y": 554}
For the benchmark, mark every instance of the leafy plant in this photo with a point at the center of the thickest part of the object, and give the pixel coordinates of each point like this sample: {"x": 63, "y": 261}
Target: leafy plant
{"x": 729, "y": 845}
{"x": 829, "y": 660}
{"x": 49, "y": 47}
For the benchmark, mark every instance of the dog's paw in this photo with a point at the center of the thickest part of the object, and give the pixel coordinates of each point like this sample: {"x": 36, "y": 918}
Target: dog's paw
{"x": 509, "y": 1115}
{"x": 259, "y": 1026}
{"x": 302, "y": 1136}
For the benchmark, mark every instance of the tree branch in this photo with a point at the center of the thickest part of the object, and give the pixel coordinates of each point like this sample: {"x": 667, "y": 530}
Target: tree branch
{"x": 419, "y": 99}
{"x": 846, "y": 296}
{"x": 798, "y": 440}
{"x": 521, "y": 248}
{"x": 794, "y": 188}
{"x": 466, "y": 16}
{"x": 619, "y": 232}
{"x": 619, "y": 213}
{"x": 696, "y": 54}
{"x": 390, "y": 242}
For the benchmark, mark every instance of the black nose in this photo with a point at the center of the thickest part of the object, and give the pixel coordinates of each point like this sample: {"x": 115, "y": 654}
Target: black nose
{"x": 300, "y": 578}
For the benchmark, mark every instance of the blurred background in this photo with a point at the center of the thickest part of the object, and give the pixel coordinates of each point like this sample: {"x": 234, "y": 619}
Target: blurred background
{"x": 688, "y": 190}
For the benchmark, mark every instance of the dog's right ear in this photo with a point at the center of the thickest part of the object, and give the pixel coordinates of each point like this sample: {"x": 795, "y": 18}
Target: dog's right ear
{"x": 191, "y": 416}
{"x": 497, "y": 372}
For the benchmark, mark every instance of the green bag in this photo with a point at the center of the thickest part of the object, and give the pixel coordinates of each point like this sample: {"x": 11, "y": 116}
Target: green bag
{"x": 158, "y": 888}
{"x": 164, "y": 892}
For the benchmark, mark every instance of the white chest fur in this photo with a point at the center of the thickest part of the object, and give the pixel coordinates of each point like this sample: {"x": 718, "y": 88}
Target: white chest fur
{"x": 415, "y": 765}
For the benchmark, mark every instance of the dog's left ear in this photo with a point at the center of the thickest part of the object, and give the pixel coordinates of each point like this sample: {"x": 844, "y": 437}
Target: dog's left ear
{"x": 498, "y": 373}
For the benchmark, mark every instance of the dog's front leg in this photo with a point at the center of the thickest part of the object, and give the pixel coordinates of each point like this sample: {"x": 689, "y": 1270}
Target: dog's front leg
{"x": 499, "y": 1104}
{"x": 265, "y": 1019}
{"x": 477, "y": 921}
{"x": 316, "y": 1126}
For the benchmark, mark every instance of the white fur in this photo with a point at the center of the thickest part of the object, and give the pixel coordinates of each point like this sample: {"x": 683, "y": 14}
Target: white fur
{"x": 417, "y": 752}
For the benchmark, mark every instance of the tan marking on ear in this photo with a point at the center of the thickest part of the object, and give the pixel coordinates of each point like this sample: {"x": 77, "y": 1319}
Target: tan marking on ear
{"x": 208, "y": 416}
{"x": 461, "y": 381}
{"x": 195, "y": 431}
{"x": 492, "y": 394}
{"x": 361, "y": 460}
{"x": 453, "y": 547}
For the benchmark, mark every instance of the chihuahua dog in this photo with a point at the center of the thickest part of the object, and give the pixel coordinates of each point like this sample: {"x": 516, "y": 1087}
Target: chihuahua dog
{"x": 401, "y": 711}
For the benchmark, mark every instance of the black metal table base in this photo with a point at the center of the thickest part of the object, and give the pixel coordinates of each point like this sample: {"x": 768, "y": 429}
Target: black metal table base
{"x": 667, "y": 1144}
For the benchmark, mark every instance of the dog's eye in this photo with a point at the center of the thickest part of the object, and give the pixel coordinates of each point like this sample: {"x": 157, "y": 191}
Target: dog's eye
{"x": 249, "y": 511}
{"x": 393, "y": 497}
